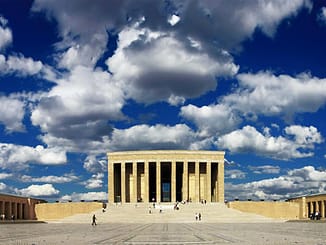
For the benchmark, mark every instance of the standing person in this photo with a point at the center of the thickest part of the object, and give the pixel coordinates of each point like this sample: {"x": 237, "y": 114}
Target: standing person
{"x": 94, "y": 220}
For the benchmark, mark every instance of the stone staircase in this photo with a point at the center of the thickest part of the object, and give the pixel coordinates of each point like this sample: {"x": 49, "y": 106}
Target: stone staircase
{"x": 140, "y": 213}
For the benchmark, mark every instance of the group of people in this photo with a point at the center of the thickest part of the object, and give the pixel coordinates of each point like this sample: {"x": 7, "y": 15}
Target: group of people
{"x": 3, "y": 217}
{"x": 198, "y": 216}
{"x": 315, "y": 215}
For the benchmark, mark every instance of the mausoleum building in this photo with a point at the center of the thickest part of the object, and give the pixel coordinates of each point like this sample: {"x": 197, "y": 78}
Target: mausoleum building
{"x": 165, "y": 176}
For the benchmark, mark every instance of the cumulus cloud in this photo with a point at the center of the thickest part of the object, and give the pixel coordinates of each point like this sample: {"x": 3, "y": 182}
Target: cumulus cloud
{"x": 88, "y": 196}
{"x": 248, "y": 139}
{"x": 12, "y": 111}
{"x": 18, "y": 156}
{"x": 96, "y": 181}
{"x": 66, "y": 178}
{"x": 204, "y": 20}
{"x": 296, "y": 182}
{"x": 258, "y": 94}
{"x": 152, "y": 137}
{"x": 268, "y": 94}
{"x": 5, "y": 33}
{"x": 167, "y": 51}
{"x": 234, "y": 174}
{"x": 21, "y": 66}
{"x": 95, "y": 164}
{"x": 265, "y": 169}
{"x": 80, "y": 106}
{"x": 3, "y": 187}
{"x": 46, "y": 190}
{"x": 5, "y": 175}
{"x": 322, "y": 15}
{"x": 183, "y": 72}
{"x": 212, "y": 119}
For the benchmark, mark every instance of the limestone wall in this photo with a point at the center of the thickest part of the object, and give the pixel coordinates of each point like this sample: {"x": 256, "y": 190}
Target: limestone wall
{"x": 53, "y": 211}
{"x": 283, "y": 210}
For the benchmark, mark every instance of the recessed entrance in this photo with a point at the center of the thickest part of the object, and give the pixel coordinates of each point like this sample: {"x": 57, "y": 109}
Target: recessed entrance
{"x": 166, "y": 182}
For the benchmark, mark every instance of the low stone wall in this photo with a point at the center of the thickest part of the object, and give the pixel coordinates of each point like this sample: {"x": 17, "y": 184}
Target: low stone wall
{"x": 278, "y": 210}
{"x": 54, "y": 211}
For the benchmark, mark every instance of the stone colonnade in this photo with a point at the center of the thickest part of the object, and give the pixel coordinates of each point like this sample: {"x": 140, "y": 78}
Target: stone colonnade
{"x": 316, "y": 203}
{"x": 166, "y": 176}
{"x": 17, "y": 207}
{"x": 310, "y": 205}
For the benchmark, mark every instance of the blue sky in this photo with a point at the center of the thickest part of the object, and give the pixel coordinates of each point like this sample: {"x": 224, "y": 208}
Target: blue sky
{"x": 81, "y": 78}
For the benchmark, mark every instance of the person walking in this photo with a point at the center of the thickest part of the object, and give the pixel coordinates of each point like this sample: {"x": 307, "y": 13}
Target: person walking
{"x": 94, "y": 220}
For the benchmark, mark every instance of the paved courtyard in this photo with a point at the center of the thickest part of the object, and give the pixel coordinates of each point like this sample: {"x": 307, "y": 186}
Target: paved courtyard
{"x": 168, "y": 233}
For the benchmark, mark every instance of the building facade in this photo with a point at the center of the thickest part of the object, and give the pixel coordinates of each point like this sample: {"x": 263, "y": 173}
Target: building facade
{"x": 165, "y": 176}
{"x": 311, "y": 204}
{"x": 17, "y": 207}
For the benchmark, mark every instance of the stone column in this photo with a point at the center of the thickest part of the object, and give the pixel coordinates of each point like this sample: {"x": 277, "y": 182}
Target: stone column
{"x": 111, "y": 182}
{"x": 311, "y": 208}
{"x": 197, "y": 182}
{"x": 14, "y": 211}
{"x": 123, "y": 182}
{"x": 2, "y": 207}
{"x": 158, "y": 181}
{"x": 173, "y": 181}
{"x": 322, "y": 209}
{"x": 134, "y": 177}
{"x": 146, "y": 175}
{"x": 9, "y": 211}
{"x": 185, "y": 194}
{"x": 208, "y": 181}
{"x": 220, "y": 182}
{"x": 302, "y": 208}
{"x": 20, "y": 211}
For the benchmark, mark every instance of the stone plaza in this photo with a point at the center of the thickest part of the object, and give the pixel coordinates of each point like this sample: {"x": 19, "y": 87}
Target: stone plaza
{"x": 312, "y": 233}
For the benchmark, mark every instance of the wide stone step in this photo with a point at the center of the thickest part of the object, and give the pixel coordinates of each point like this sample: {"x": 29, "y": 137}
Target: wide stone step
{"x": 145, "y": 213}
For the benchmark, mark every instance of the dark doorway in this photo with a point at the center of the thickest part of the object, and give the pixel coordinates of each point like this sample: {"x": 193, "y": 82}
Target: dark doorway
{"x": 166, "y": 182}
{"x": 214, "y": 182}
{"x": 117, "y": 182}
{"x": 179, "y": 170}
{"x": 152, "y": 182}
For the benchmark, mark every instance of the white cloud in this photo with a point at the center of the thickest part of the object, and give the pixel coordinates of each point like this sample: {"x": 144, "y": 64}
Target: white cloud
{"x": 248, "y": 139}
{"x": 96, "y": 181}
{"x": 12, "y": 111}
{"x": 3, "y": 186}
{"x": 322, "y": 15}
{"x": 309, "y": 174}
{"x": 304, "y": 135}
{"x": 45, "y": 190}
{"x": 202, "y": 20}
{"x": 88, "y": 196}
{"x": 265, "y": 169}
{"x": 159, "y": 136}
{"x": 211, "y": 119}
{"x": 66, "y": 178}
{"x": 259, "y": 94}
{"x": 173, "y": 20}
{"x": 5, "y": 175}
{"x": 79, "y": 107}
{"x": 18, "y": 156}
{"x": 95, "y": 164}
{"x": 22, "y": 67}
{"x": 270, "y": 95}
{"x": 183, "y": 72}
{"x": 5, "y": 34}
{"x": 234, "y": 174}
{"x": 296, "y": 182}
